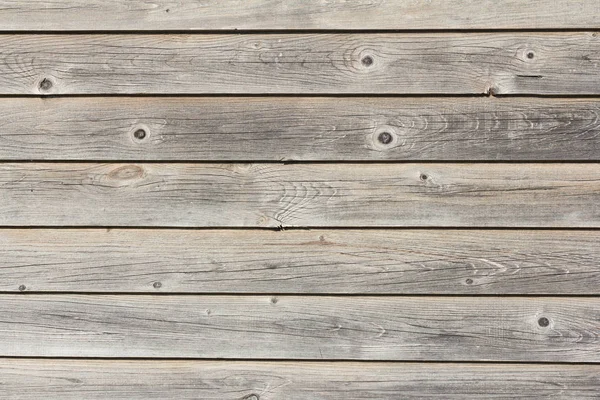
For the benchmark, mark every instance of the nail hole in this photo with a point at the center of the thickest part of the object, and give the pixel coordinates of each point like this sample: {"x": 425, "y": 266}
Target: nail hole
{"x": 543, "y": 322}
{"x": 469, "y": 281}
{"x": 367, "y": 61}
{"x": 157, "y": 285}
{"x": 45, "y": 84}
{"x": 22, "y": 288}
{"x": 139, "y": 134}
{"x": 530, "y": 55}
{"x": 423, "y": 177}
{"x": 385, "y": 138}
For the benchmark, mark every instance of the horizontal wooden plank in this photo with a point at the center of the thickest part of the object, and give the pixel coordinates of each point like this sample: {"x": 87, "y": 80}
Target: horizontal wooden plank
{"x": 300, "y": 195}
{"x": 22, "y": 15}
{"x": 299, "y": 261}
{"x": 302, "y": 327}
{"x": 395, "y": 63}
{"x": 218, "y": 380}
{"x": 284, "y": 128}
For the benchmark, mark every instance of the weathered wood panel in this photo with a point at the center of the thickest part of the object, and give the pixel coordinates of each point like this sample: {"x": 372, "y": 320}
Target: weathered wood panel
{"x": 21, "y": 15}
{"x": 320, "y": 261}
{"x": 142, "y": 380}
{"x": 302, "y": 195}
{"x": 283, "y": 128}
{"x": 453, "y": 63}
{"x": 302, "y": 327}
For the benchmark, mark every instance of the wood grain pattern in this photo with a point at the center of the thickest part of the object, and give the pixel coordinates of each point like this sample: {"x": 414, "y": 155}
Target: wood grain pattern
{"x": 192, "y": 380}
{"x": 298, "y": 261}
{"x": 395, "y": 63}
{"x": 21, "y": 15}
{"x": 301, "y": 327}
{"x": 300, "y": 195}
{"x": 310, "y": 129}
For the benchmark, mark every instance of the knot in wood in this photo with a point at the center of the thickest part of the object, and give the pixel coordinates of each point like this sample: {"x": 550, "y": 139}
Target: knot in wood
{"x": 543, "y": 322}
{"x": 385, "y": 138}
{"x": 367, "y": 61}
{"x": 139, "y": 134}
{"x": 45, "y": 84}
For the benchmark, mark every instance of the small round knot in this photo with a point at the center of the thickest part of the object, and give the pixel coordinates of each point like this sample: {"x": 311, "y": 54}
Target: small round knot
{"x": 469, "y": 281}
{"x": 423, "y": 177}
{"x": 22, "y": 288}
{"x": 385, "y": 138}
{"x": 157, "y": 285}
{"x": 367, "y": 61}
{"x": 543, "y": 322}
{"x": 530, "y": 55}
{"x": 139, "y": 134}
{"x": 45, "y": 84}
{"x": 274, "y": 300}
{"x": 251, "y": 397}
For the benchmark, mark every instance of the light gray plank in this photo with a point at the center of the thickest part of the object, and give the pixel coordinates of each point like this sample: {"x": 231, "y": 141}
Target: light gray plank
{"x": 429, "y": 63}
{"x": 300, "y": 195}
{"x": 299, "y": 261}
{"x": 22, "y": 15}
{"x": 302, "y": 327}
{"x": 218, "y": 380}
{"x": 283, "y": 128}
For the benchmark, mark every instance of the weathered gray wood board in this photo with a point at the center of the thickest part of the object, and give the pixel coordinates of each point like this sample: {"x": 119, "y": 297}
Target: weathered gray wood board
{"x": 86, "y": 15}
{"x": 299, "y": 261}
{"x": 432, "y": 63}
{"x": 215, "y": 380}
{"x": 301, "y": 128}
{"x": 300, "y": 327}
{"x": 301, "y": 195}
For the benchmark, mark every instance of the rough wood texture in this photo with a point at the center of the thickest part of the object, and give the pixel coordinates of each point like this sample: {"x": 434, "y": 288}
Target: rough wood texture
{"x": 283, "y": 128}
{"x": 320, "y": 261}
{"x": 301, "y": 327}
{"x": 453, "y": 63}
{"x": 21, "y": 15}
{"x": 301, "y": 195}
{"x": 192, "y": 380}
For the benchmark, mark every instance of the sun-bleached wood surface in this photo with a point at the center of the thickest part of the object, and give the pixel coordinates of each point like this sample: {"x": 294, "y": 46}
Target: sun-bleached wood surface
{"x": 299, "y": 128}
{"x": 300, "y": 327}
{"x": 550, "y": 63}
{"x": 234, "y": 380}
{"x": 142, "y": 15}
{"x": 319, "y": 261}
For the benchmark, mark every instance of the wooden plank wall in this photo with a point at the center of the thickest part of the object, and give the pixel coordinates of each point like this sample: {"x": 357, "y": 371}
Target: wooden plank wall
{"x": 316, "y": 200}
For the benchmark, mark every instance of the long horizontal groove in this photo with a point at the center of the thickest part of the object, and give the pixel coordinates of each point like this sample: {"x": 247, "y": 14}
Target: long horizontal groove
{"x": 292, "y": 31}
{"x": 31, "y": 379}
{"x": 557, "y": 63}
{"x": 323, "y": 261}
{"x": 300, "y": 195}
{"x": 283, "y": 361}
{"x": 306, "y": 15}
{"x": 302, "y": 327}
{"x": 284, "y": 129}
